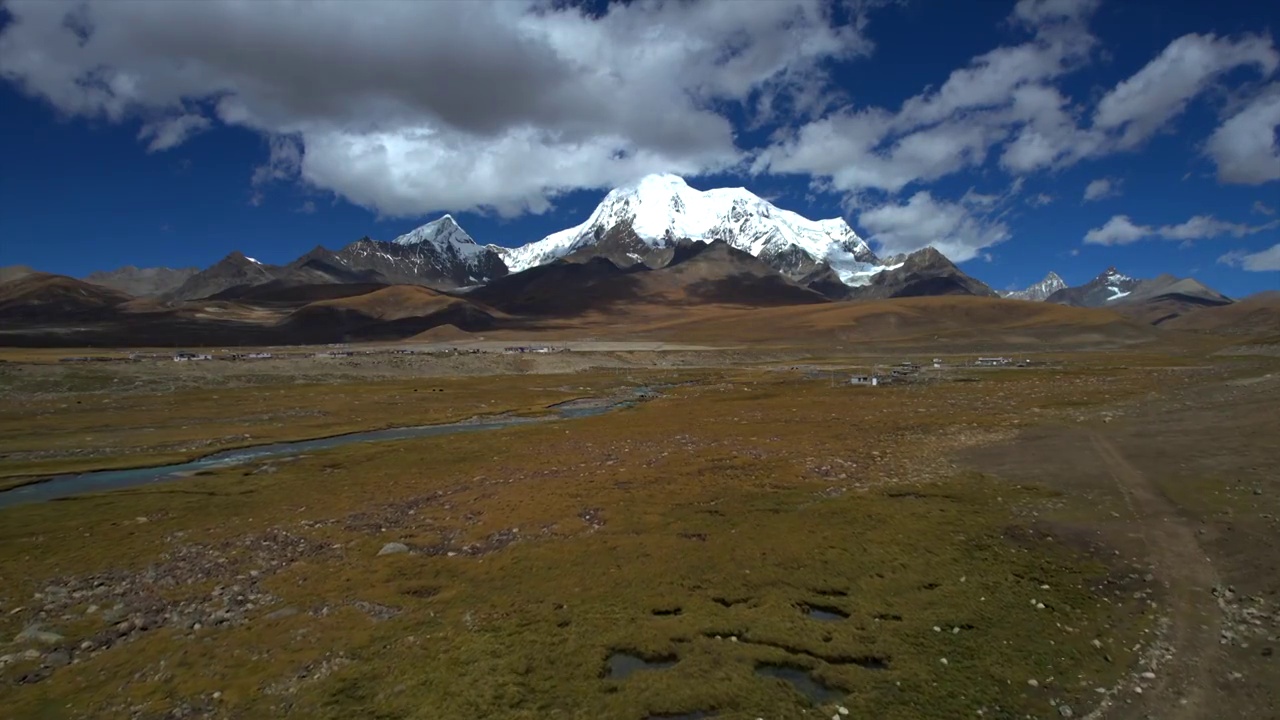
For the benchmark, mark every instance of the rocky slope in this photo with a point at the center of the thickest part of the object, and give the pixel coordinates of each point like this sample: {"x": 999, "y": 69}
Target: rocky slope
{"x": 1108, "y": 287}
{"x": 1040, "y": 291}
{"x": 925, "y": 272}
{"x": 439, "y": 254}
{"x": 142, "y": 282}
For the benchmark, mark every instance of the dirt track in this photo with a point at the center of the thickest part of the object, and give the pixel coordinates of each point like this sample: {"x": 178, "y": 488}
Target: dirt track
{"x": 1180, "y": 563}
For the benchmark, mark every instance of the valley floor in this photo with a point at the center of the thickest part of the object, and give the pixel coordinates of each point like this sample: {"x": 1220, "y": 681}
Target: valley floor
{"x": 1096, "y": 536}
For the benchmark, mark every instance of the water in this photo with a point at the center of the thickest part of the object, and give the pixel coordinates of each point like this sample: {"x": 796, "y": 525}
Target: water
{"x": 63, "y": 486}
{"x": 825, "y": 614}
{"x": 803, "y": 682}
{"x": 622, "y": 665}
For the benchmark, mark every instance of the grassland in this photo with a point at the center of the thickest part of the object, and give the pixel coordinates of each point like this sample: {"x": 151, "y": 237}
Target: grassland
{"x": 694, "y": 528}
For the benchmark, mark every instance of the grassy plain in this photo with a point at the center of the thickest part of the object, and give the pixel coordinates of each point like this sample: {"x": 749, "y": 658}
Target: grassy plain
{"x": 695, "y": 528}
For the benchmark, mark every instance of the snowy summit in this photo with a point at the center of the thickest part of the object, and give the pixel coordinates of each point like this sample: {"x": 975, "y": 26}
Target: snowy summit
{"x": 661, "y": 210}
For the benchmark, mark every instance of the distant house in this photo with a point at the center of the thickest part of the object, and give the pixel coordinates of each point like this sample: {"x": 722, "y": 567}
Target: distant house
{"x": 992, "y": 361}
{"x": 871, "y": 380}
{"x": 190, "y": 356}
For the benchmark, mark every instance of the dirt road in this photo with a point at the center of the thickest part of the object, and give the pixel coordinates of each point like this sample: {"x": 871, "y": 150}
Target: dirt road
{"x": 1183, "y": 684}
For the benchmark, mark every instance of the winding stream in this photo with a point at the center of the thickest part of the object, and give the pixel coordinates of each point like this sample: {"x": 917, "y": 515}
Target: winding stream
{"x": 64, "y": 486}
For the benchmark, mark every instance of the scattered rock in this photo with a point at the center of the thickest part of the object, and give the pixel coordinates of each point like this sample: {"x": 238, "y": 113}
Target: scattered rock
{"x": 34, "y": 633}
{"x": 393, "y": 548}
{"x": 1065, "y": 710}
{"x": 1033, "y": 683}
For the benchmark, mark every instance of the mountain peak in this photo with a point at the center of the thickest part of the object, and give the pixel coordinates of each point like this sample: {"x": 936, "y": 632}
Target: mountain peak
{"x": 1041, "y": 291}
{"x": 440, "y": 232}
{"x": 1112, "y": 275}
{"x": 643, "y": 221}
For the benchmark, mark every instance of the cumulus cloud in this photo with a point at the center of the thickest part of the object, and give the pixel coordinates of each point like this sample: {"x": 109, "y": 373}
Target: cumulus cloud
{"x": 958, "y": 230}
{"x": 1101, "y": 188}
{"x": 1244, "y": 147}
{"x": 1121, "y": 230}
{"x": 955, "y": 126}
{"x": 1147, "y": 101}
{"x": 413, "y": 107}
{"x": 1006, "y": 104}
{"x": 1261, "y": 261}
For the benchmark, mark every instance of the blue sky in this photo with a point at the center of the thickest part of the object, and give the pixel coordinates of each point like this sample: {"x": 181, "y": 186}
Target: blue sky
{"x": 172, "y": 133}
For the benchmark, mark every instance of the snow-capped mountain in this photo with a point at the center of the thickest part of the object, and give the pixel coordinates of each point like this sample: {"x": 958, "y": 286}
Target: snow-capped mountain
{"x": 642, "y": 223}
{"x": 1108, "y": 287}
{"x": 438, "y": 253}
{"x": 1040, "y": 291}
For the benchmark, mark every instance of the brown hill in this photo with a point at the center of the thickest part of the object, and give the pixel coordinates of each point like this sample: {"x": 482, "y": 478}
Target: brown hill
{"x": 36, "y": 298}
{"x": 942, "y": 322}
{"x": 9, "y": 273}
{"x": 1255, "y": 316}
{"x": 280, "y": 292}
{"x": 391, "y": 313}
{"x": 562, "y": 289}
{"x": 142, "y": 282}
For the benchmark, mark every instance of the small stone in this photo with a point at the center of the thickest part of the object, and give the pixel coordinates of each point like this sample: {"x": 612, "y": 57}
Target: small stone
{"x": 1044, "y": 587}
{"x": 842, "y": 710}
{"x": 1039, "y": 606}
{"x": 86, "y": 646}
{"x": 393, "y": 548}
{"x": 943, "y": 661}
{"x": 282, "y": 613}
{"x": 1033, "y": 683}
{"x": 58, "y": 658}
{"x": 1148, "y": 675}
{"x": 1065, "y": 710}
{"x": 937, "y": 629}
{"x": 1096, "y": 643}
{"x": 217, "y": 695}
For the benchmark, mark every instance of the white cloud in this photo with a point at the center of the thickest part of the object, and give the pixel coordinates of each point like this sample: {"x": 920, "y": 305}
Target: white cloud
{"x": 1261, "y": 261}
{"x": 172, "y": 132}
{"x": 411, "y": 107}
{"x": 1244, "y": 147}
{"x": 1140, "y": 106}
{"x": 1102, "y": 188}
{"x": 1121, "y": 230}
{"x": 1040, "y": 200}
{"x": 954, "y": 229}
{"x": 945, "y": 130}
{"x": 1263, "y": 209}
